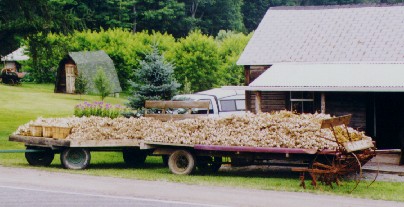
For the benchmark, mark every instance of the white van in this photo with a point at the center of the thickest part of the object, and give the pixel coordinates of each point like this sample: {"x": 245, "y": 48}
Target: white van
{"x": 222, "y": 102}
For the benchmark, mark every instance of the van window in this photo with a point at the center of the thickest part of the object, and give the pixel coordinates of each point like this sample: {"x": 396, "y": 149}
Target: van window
{"x": 240, "y": 105}
{"x": 228, "y": 105}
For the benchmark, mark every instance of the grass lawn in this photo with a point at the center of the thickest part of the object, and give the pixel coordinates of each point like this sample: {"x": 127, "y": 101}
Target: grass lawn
{"x": 19, "y": 104}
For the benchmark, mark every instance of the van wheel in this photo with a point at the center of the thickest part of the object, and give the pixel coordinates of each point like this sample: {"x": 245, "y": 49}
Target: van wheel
{"x": 181, "y": 162}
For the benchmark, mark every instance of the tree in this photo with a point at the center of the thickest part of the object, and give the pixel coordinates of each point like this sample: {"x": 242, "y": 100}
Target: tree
{"x": 254, "y": 11}
{"x": 154, "y": 81}
{"x": 196, "y": 58}
{"x": 210, "y": 16}
{"x": 81, "y": 84}
{"x": 21, "y": 19}
{"x": 163, "y": 16}
{"x": 231, "y": 45}
{"x": 102, "y": 84}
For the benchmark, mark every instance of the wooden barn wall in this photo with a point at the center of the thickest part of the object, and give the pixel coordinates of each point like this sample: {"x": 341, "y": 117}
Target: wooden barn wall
{"x": 271, "y": 101}
{"x": 342, "y": 103}
{"x": 251, "y": 73}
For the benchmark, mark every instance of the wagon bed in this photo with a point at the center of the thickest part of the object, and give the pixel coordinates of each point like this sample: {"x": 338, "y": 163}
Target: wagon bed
{"x": 55, "y": 143}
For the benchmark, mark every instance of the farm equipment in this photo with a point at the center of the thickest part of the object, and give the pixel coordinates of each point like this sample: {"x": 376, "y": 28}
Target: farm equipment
{"x": 325, "y": 165}
{"x": 11, "y": 76}
{"x": 349, "y": 157}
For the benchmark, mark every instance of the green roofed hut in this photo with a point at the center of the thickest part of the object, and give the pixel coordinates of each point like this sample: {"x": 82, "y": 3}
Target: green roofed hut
{"x": 87, "y": 63}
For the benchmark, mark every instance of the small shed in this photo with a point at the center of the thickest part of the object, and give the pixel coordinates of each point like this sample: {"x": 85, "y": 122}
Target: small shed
{"x": 11, "y": 61}
{"x": 86, "y": 63}
{"x": 331, "y": 59}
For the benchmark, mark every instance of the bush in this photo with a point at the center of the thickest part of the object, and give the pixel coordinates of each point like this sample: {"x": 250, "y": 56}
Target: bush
{"x": 99, "y": 109}
{"x": 196, "y": 58}
{"x": 81, "y": 84}
{"x": 102, "y": 84}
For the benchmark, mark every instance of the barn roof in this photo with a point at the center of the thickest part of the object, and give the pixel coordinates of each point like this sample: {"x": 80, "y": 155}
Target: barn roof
{"x": 88, "y": 62}
{"x": 328, "y": 34}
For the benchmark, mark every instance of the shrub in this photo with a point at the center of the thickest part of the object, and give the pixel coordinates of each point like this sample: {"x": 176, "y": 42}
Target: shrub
{"x": 102, "y": 84}
{"x": 81, "y": 84}
{"x": 99, "y": 109}
{"x": 196, "y": 58}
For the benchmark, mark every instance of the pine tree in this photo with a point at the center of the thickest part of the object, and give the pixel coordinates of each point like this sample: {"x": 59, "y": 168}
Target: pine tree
{"x": 155, "y": 81}
{"x": 81, "y": 84}
{"x": 102, "y": 84}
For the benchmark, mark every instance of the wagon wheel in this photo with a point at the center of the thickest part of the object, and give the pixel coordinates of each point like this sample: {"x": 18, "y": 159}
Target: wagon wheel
{"x": 355, "y": 166}
{"x": 181, "y": 162}
{"x": 207, "y": 164}
{"x": 75, "y": 158}
{"x": 323, "y": 169}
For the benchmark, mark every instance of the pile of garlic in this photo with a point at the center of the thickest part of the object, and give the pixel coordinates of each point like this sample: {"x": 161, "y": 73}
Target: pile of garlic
{"x": 279, "y": 129}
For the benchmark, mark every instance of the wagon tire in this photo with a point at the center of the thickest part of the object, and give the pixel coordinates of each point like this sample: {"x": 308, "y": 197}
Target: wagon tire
{"x": 75, "y": 158}
{"x": 209, "y": 164}
{"x": 134, "y": 157}
{"x": 165, "y": 160}
{"x": 181, "y": 162}
{"x": 44, "y": 158}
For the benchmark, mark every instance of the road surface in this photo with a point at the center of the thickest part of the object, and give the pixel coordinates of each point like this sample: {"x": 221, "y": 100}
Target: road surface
{"x": 31, "y": 187}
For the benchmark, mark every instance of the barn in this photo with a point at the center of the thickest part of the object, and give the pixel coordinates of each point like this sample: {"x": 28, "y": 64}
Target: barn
{"x": 87, "y": 63}
{"x": 331, "y": 59}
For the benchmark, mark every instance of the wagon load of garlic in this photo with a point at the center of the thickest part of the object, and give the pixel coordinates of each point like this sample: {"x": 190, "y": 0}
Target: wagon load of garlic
{"x": 278, "y": 129}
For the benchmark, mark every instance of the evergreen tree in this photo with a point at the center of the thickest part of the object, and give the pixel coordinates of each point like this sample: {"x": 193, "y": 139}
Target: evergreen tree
{"x": 102, "y": 84}
{"x": 81, "y": 84}
{"x": 155, "y": 81}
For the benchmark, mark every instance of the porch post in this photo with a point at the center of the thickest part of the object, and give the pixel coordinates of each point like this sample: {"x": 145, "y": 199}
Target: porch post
{"x": 322, "y": 102}
{"x": 258, "y": 99}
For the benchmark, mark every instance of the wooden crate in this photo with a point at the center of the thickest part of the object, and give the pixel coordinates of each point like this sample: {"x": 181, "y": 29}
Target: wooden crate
{"x": 47, "y": 131}
{"x": 60, "y": 132}
{"x": 36, "y": 130}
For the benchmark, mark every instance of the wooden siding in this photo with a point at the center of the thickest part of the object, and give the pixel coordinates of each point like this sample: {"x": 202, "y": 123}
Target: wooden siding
{"x": 341, "y": 103}
{"x": 251, "y": 73}
{"x": 271, "y": 101}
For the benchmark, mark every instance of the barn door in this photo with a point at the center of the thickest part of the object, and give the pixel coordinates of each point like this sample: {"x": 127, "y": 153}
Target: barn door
{"x": 70, "y": 77}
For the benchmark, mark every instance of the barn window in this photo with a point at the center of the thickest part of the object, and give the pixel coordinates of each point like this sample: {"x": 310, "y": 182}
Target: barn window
{"x": 302, "y": 102}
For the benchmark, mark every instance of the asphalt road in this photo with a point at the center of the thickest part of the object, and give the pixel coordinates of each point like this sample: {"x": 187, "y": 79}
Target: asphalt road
{"x": 31, "y": 187}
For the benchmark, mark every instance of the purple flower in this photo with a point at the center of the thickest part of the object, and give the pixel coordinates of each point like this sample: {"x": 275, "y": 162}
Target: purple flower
{"x": 107, "y": 106}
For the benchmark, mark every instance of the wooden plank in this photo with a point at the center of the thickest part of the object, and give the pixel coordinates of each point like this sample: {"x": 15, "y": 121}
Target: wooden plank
{"x": 106, "y": 143}
{"x": 177, "y": 104}
{"x": 167, "y": 117}
{"x": 151, "y": 145}
{"x": 40, "y": 141}
{"x": 328, "y": 123}
{"x": 358, "y": 145}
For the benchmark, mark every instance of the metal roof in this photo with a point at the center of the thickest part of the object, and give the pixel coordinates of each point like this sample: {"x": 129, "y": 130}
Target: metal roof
{"x": 221, "y": 94}
{"x": 328, "y": 34}
{"x": 17, "y": 55}
{"x": 330, "y": 77}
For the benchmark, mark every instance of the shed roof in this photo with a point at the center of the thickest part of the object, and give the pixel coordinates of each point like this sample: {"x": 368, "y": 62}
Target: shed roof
{"x": 17, "y": 55}
{"x": 88, "y": 62}
{"x": 365, "y": 33}
{"x": 330, "y": 77}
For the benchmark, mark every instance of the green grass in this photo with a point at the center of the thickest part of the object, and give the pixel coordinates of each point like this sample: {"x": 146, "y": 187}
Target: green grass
{"x": 19, "y": 104}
